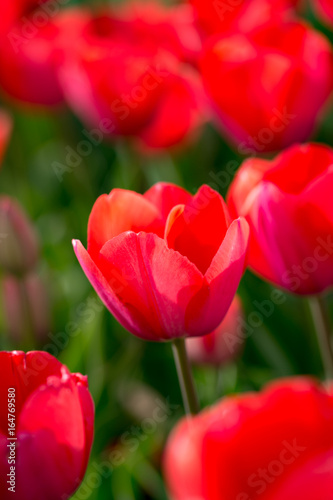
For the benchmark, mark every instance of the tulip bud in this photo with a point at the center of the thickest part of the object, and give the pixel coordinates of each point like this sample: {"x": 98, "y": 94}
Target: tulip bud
{"x": 223, "y": 344}
{"x": 18, "y": 240}
{"x": 26, "y": 308}
{"x": 5, "y": 130}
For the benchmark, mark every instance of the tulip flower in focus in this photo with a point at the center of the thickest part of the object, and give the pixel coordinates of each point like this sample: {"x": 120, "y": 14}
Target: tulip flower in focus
{"x": 288, "y": 205}
{"x": 273, "y": 445}
{"x": 19, "y": 249}
{"x": 268, "y": 88}
{"x": 32, "y": 51}
{"x": 5, "y": 131}
{"x": 166, "y": 264}
{"x": 54, "y": 422}
{"x": 324, "y": 8}
{"x": 223, "y": 344}
{"x": 129, "y": 75}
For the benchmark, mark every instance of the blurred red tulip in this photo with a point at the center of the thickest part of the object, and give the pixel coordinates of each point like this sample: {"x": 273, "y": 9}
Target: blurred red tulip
{"x": 166, "y": 264}
{"x": 241, "y": 15}
{"x": 19, "y": 248}
{"x": 288, "y": 204}
{"x": 223, "y": 344}
{"x": 33, "y": 49}
{"x": 268, "y": 88}
{"x": 324, "y": 8}
{"x": 129, "y": 75}
{"x": 5, "y": 131}
{"x": 273, "y": 445}
{"x": 53, "y": 424}
{"x": 9, "y": 14}
{"x": 26, "y": 309}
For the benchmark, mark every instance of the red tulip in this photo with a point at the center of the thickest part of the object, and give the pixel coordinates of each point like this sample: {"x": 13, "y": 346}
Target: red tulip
{"x": 9, "y": 14}
{"x": 275, "y": 83}
{"x": 288, "y": 204}
{"x": 241, "y": 15}
{"x": 32, "y": 51}
{"x": 223, "y": 344}
{"x": 274, "y": 445}
{"x": 129, "y": 75}
{"x": 53, "y": 422}
{"x": 324, "y": 8}
{"x": 5, "y": 131}
{"x": 166, "y": 264}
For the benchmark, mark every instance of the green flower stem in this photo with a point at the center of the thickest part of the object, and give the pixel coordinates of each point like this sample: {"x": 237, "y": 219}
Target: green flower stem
{"x": 323, "y": 330}
{"x": 185, "y": 377}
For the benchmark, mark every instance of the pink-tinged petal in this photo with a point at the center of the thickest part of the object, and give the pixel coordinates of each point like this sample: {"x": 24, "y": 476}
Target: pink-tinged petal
{"x": 164, "y": 196}
{"x": 209, "y": 307}
{"x": 118, "y": 212}
{"x": 88, "y": 412}
{"x": 51, "y": 441}
{"x": 264, "y": 256}
{"x": 247, "y": 178}
{"x": 108, "y": 290}
{"x": 222, "y": 344}
{"x": 282, "y": 247}
{"x": 160, "y": 282}
{"x": 197, "y": 231}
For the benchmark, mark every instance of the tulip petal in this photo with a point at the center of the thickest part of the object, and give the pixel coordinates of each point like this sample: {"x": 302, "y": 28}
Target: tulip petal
{"x": 286, "y": 427}
{"x": 314, "y": 158}
{"x": 107, "y": 291}
{"x": 282, "y": 247}
{"x": 178, "y": 113}
{"x": 88, "y": 412}
{"x": 51, "y": 441}
{"x": 197, "y": 230}
{"x": 24, "y": 373}
{"x": 118, "y": 212}
{"x": 209, "y": 307}
{"x": 288, "y": 422}
{"x": 160, "y": 282}
{"x": 164, "y": 196}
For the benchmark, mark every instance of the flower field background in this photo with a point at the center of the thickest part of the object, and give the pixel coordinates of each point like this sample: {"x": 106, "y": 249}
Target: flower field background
{"x": 55, "y": 167}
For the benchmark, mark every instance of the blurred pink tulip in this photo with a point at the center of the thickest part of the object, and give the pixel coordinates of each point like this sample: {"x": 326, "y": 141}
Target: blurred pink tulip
{"x": 19, "y": 248}
{"x": 26, "y": 309}
{"x": 223, "y": 344}
{"x": 288, "y": 204}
